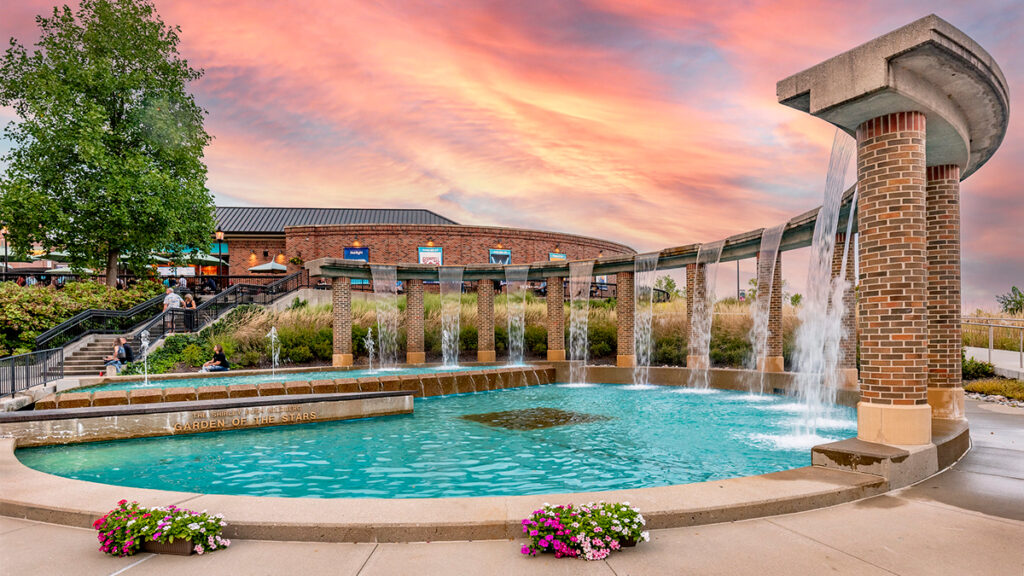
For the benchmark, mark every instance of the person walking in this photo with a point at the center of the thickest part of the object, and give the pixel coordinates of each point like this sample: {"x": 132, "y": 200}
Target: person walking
{"x": 171, "y": 302}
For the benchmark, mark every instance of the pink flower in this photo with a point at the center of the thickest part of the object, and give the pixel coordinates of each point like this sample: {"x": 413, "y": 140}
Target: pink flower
{"x": 199, "y": 549}
{"x": 525, "y": 549}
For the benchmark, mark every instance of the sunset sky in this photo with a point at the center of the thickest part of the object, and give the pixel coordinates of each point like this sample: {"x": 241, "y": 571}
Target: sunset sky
{"x": 652, "y": 122}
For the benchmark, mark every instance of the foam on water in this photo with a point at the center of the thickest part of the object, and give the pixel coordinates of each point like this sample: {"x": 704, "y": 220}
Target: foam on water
{"x": 791, "y": 441}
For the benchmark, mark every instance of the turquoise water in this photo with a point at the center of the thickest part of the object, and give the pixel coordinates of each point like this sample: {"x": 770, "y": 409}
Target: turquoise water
{"x": 650, "y": 437}
{"x": 228, "y": 380}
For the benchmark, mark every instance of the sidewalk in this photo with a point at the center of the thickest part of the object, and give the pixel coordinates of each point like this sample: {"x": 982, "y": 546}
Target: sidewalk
{"x": 1007, "y": 362}
{"x": 967, "y": 520}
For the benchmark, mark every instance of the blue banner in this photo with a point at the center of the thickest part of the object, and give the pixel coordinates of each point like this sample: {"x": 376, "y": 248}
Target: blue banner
{"x": 500, "y": 256}
{"x": 361, "y": 254}
{"x": 557, "y": 256}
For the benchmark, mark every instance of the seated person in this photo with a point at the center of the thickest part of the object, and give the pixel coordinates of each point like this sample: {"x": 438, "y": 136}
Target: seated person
{"x": 219, "y": 362}
{"x": 116, "y": 359}
{"x": 129, "y": 354}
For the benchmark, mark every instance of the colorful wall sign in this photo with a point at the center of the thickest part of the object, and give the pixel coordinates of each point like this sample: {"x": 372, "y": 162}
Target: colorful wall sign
{"x": 500, "y": 256}
{"x": 433, "y": 255}
{"x": 361, "y": 254}
{"x": 557, "y": 256}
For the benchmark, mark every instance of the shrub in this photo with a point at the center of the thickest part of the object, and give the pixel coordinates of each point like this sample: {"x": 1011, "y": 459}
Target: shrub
{"x": 535, "y": 339}
{"x": 603, "y": 340}
{"x": 669, "y": 351}
{"x": 195, "y": 355}
{"x": 468, "y": 338}
{"x": 358, "y": 340}
{"x": 728, "y": 349}
{"x": 322, "y": 344}
{"x": 123, "y": 530}
{"x": 973, "y": 369}
{"x": 1013, "y": 389}
{"x": 299, "y": 354}
{"x": 500, "y": 339}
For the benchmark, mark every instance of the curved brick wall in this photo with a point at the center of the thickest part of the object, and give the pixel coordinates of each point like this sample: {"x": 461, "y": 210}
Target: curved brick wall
{"x": 391, "y": 244}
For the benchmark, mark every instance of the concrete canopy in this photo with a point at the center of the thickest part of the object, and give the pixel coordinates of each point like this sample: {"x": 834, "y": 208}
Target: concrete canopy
{"x": 927, "y": 66}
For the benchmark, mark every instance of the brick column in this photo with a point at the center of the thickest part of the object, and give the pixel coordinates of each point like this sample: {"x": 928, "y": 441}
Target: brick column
{"x": 894, "y": 317}
{"x": 341, "y": 298}
{"x": 485, "y": 321}
{"x": 848, "y": 345}
{"x": 945, "y": 394}
{"x": 625, "y": 314}
{"x": 415, "y": 353}
{"x": 774, "y": 361}
{"x": 695, "y": 290}
{"x": 556, "y": 320}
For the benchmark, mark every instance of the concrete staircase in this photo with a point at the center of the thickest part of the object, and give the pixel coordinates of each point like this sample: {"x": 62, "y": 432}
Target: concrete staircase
{"x": 88, "y": 359}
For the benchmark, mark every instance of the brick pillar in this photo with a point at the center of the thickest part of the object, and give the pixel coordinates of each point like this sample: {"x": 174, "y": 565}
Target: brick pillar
{"x": 945, "y": 394}
{"x": 625, "y": 313}
{"x": 556, "y": 320}
{"x": 415, "y": 353}
{"x": 485, "y": 321}
{"x": 695, "y": 291}
{"x": 893, "y": 408}
{"x": 341, "y": 298}
{"x": 774, "y": 361}
{"x": 848, "y": 345}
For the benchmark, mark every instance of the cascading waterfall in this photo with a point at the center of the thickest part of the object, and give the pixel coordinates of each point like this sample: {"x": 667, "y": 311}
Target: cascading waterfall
{"x": 766, "y": 257}
{"x": 580, "y": 279}
{"x": 515, "y": 308}
{"x": 835, "y": 331}
{"x": 385, "y": 291}
{"x": 645, "y": 268}
{"x": 370, "y": 350}
{"x": 451, "y": 309}
{"x": 816, "y": 380}
{"x": 703, "y": 310}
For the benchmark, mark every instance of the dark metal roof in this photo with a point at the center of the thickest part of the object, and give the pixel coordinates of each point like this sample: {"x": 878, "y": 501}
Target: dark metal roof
{"x": 239, "y": 219}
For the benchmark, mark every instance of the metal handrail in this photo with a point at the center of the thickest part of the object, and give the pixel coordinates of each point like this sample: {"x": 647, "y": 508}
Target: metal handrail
{"x": 112, "y": 321}
{"x": 991, "y": 336}
{"x": 24, "y": 371}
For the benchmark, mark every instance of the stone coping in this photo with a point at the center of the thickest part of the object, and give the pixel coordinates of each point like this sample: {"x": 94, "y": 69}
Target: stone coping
{"x": 35, "y": 495}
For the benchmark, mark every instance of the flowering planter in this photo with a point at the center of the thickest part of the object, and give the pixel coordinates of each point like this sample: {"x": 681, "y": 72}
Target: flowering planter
{"x": 627, "y": 543}
{"x": 178, "y": 547}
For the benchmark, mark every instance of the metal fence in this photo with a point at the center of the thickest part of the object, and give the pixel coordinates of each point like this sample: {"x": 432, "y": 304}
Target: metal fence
{"x": 24, "y": 371}
{"x": 995, "y": 334}
{"x": 98, "y": 322}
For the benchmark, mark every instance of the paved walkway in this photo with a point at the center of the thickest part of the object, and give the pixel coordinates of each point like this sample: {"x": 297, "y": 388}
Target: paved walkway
{"x": 1007, "y": 362}
{"x": 968, "y": 520}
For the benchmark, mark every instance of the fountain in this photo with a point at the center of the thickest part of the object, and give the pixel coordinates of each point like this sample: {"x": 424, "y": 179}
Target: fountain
{"x": 451, "y": 309}
{"x": 815, "y": 360}
{"x": 706, "y": 276}
{"x": 275, "y": 350}
{"x": 144, "y": 340}
{"x": 580, "y": 279}
{"x": 766, "y": 259}
{"x": 645, "y": 268}
{"x": 385, "y": 291}
{"x": 515, "y": 308}
{"x": 368, "y": 342}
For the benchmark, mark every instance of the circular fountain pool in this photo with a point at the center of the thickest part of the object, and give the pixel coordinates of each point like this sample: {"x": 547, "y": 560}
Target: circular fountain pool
{"x": 538, "y": 440}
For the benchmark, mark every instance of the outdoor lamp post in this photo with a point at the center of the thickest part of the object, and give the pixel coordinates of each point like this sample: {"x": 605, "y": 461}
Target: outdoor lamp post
{"x": 220, "y": 252}
{"x": 3, "y": 232}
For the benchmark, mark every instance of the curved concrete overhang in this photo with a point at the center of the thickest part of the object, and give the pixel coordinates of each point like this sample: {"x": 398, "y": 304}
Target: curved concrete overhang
{"x": 799, "y": 233}
{"x": 926, "y": 66}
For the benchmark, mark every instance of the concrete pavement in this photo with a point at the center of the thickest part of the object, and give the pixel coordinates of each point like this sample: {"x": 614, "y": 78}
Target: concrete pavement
{"x": 967, "y": 520}
{"x": 1006, "y": 362}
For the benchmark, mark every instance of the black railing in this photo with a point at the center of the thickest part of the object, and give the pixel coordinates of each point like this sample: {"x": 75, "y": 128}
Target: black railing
{"x": 98, "y": 322}
{"x": 180, "y": 320}
{"x": 24, "y": 371}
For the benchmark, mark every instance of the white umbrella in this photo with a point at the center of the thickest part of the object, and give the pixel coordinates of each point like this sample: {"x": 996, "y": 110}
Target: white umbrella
{"x": 201, "y": 258}
{"x": 64, "y": 270}
{"x": 269, "y": 267}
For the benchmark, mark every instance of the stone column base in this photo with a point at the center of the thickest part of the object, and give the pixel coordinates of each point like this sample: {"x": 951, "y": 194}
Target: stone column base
{"x": 485, "y": 356}
{"x": 890, "y": 424}
{"x": 771, "y": 364}
{"x": 625, "y": 360}
{"x": 416, "y": 357}
{"x": 849, "y": 379}
{"x": 698, "y": 362}
{"x": 946, "y": 403}
{"x": 556, "y": 355}
{"x": 342, "y": 360}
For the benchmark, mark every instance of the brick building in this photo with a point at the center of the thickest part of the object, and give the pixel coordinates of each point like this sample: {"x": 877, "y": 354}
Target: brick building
{"x": 290, "y": 236}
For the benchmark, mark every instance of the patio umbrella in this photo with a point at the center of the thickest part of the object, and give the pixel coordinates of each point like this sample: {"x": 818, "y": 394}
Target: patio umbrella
{"x": 65, "y": 270}
{"x": 201, "y": 258}
{"x": 269, "y": 267}
{"x": 55, "y": 256}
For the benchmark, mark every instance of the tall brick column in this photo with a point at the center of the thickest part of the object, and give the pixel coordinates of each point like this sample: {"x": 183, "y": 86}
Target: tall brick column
{"x": 415, "y": 353}
{"x": 945, "y": 394}
{"x": 485, "y": 321}
{"x": 894, "y": 317}
{"x": 695, "y": 291}
{"x": 774, "y": 361}
{"x": 341, "y": 299}
{"x": 556, "y": 319}
{"x": 848, "y": 345}
{"x": 625, "y": 313}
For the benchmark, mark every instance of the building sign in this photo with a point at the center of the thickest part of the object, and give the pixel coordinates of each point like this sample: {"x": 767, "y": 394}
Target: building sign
{"x": 500, "y": 256}
{"x": 361, "y": 254}
{"x": 557, "y": 256}
{"x": 433, "y": 255}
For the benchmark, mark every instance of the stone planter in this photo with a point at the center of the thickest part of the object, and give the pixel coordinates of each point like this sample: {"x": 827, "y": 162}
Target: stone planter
{"x": 177, "y": 548}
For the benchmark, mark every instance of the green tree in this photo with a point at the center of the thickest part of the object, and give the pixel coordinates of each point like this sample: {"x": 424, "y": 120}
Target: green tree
{"x": 669, "y": 285}
{"x": 1012, "y": 302}
{"x": 795, "y": 299}
{"x": 107, "y": 157}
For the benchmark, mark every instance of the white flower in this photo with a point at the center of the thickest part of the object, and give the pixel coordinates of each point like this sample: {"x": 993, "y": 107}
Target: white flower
{"x": 130, "y": 522}
{"x": 193, "y": 526}
{"x": 646, "y": 536}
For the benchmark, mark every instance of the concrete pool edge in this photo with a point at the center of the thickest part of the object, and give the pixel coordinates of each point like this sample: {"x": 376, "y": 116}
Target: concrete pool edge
{"x": 34, "y": 495}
